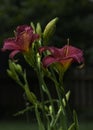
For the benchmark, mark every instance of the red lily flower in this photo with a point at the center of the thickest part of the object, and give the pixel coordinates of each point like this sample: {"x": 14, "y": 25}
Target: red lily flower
{"x": 24, "y": 37}
{"x": 65, "y": 55}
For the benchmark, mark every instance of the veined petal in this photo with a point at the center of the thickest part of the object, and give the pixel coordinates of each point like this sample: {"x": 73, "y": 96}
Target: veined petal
{"x": 23, "y": 28}
{"x": 66, "y": 63}
{"x": 53, "y": 50}
{"x": 34, "y": 37}
{"x": 65, "y": 55}
{"x": 9, "y": 44}
{"x": 48, "y": 60}
{"x": 72, "y": 52}
{"x": 24, "y": 37}
{"x": 13, "y": 53}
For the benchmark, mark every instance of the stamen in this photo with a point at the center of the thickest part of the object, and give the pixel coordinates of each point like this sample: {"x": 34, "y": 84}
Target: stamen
{"x": 67, "y": 46}
{"x": 68, "y": 41}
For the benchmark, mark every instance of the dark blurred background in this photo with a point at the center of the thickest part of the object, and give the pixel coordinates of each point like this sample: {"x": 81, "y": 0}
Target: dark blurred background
{"x": 75, "y": 22}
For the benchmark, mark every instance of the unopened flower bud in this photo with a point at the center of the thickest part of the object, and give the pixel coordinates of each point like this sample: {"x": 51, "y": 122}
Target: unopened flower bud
{"x": 18, "y": 68}
{"x": 49, "y": 30}
{"x": 67, "y": 98}
{"x": 50, "y": 109}
{"x": 30, "y": 95}
{"x": 38, "y": 29}
{"x": 10, "y": 73}
{"x": 38, "y": 60}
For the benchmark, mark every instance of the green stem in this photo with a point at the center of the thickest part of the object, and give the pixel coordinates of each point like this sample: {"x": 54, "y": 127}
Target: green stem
{"x": 44, "y": 88}
{"x": 64, "y": 94}
{"x": 53, "y": 77}
{"x": 41, "y": 126}
{"x": 42, "y": 83}
{"x": 42, "y": 97}
{"x": 57, "y": 86}
{"x": 53, "y": 115}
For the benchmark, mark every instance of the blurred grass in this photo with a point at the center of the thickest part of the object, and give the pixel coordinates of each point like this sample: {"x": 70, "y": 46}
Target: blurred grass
{"x": 7, "y": 125}
{"x": 86, "y": 125}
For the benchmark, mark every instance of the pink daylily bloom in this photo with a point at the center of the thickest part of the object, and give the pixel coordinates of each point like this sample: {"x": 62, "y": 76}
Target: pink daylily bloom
{"x": 65, "y": 55}
{"x": 24, "y": 37}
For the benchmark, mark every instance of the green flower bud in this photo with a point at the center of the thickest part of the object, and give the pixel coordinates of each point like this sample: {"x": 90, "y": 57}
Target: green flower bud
{"x": 18, "y": 68}
{"x": 38, "y": 29}
{"x": 15, "y": 67}
{"x": 38, "y": 60}
{"x": 33, "y": 26}
{"x": 30, "y": 95}
{"x": 14, "y": 71}
{"x": 49, "y": 30}
{"x": 67, "y": 98}
{"x": 10, "y": 73}
{"x": 50, "y": 109}
{"x": 11, "y": 66}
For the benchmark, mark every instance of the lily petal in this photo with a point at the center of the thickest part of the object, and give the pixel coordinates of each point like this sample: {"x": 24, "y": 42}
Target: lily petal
{"x": 13, "y": 53}
{"x": 10, "y": 44}
{"x": 24, "y": 37}
{"x": 48, "y": 60}
{"x": 65, "y": 55}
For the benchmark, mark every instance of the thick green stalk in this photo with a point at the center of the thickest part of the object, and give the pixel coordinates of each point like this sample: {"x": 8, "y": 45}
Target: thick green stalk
{"x": 57, "y": 86}
{"x": 42, "y": 96}
{"x": 43, "y": 84}
{"x": 40, "y": 124}
{"x": 44, "y": 88}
